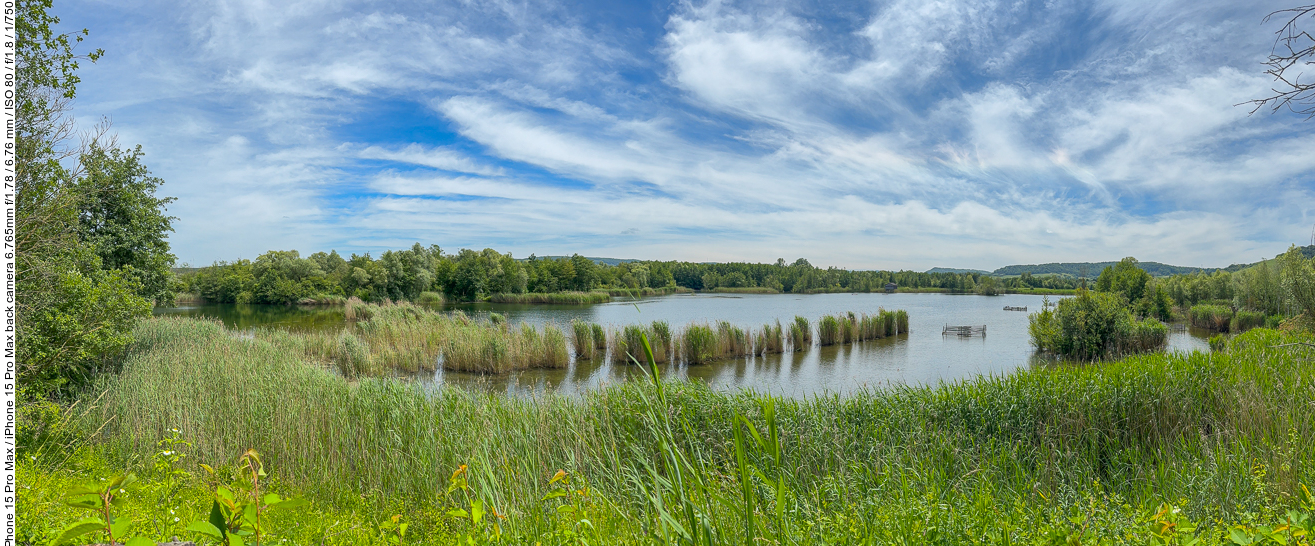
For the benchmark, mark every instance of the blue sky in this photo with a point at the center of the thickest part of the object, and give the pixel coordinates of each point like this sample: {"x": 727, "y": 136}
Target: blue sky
{"x": 891, "y": 134}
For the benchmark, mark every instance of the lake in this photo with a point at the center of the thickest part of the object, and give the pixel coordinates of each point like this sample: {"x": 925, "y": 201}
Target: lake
{"x": 923, "y": 356}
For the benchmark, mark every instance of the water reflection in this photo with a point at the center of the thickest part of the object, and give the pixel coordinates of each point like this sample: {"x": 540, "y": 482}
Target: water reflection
{"x": 922, "y": 356}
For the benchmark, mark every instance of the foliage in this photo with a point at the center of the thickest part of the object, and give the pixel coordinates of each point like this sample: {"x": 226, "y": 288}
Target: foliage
{"x": 83, "y": 259}
{"x": 1136, "y": 286}
{"x": 123, "y": 220}
{"x": 1094, "y": 325}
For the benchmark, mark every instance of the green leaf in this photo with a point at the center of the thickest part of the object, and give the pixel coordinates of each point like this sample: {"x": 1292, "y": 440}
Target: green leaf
{"x": 217, "y": 519}
{"x": 77, "y": 529}
{"x": 289, "y": 503}
{"x": 476, "y": 511}
{"x": 120, "y": 526}
{"x": 554, "y": 494}
{"x": 85, "y": 502}
{"x": 249, "y": 514}
{"x": 459, "y": 513}
{"x": 139, "y": 541}
{"x": 224, "y": 493}
{"x": 271, "y": 498}
{"x": 236, "y": 540}
{"x": 206, "y": 528}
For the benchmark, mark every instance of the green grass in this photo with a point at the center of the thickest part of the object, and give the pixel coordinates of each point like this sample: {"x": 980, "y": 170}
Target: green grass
{"x": 1062, "y": 449}
{"x": 559, "y": 298}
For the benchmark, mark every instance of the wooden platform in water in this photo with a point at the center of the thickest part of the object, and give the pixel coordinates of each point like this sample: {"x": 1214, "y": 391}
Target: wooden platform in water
{"x": 964, "y": 331}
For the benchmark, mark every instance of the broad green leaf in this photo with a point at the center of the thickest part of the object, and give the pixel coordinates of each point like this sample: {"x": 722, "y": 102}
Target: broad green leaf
{"x": 557, "y": 477}
{"x": 289, "y": 503}
{"x": 236, "y": 540}
{"x": 554, "y": 494}
{"x": 458, "y": 513}
{"x": 271, "y": 498}
{"x": 217, "y": 519}
{"x": 206, "y": 528}
{"x": 224, "y": 493}
{"x": 120, "y": 526}
{"x": 85, "y": 502}
{"x": 249, "y": 514}
{"x": 476, "y": 511}
{"x": 77, "y": 529}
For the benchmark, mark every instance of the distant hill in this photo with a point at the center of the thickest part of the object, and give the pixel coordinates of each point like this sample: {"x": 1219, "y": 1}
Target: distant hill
{"x": 1093, "y": 269}
{"x": 956, "y": 270}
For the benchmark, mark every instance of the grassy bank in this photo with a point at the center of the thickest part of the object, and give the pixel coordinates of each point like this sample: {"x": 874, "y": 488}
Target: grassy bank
{"x": 1226, "y": 436}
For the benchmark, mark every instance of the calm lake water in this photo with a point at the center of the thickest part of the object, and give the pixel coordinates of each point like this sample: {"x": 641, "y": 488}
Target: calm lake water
{"x": 922, "y": 356}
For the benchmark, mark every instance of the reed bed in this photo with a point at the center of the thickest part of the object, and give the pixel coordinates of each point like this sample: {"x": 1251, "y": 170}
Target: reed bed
{"x": 1246, "y": 320}
{"x": 430, "y": 298}
{"x": 1048, "y": 451}
{"x": 698, "y": 344}
{"x": 558, "y": 298}
{"x": 1212, "y": 317}
{"x": 828, "y": 331}
{"x": 732, "y": 341}
{"x": 770, "y": 340}
{"x": 582, "y": 340}
{"x": 801, "y": 334}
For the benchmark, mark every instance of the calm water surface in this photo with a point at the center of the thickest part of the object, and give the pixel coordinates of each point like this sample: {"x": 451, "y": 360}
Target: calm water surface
{"x": 922, "y": 356}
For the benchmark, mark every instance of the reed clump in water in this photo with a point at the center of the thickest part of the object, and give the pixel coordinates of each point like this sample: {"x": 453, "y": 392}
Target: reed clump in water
{"x": 828, "y": 331}
{"x": 732, "y": 341}
{"x": 660, "y": 339}
{"x": 430, "y": 298}
{"x": 698, "y": 344}
{"x": 770, "y": 339}
{"x": 582, "y": 340}
{"x": 801, "y": 334}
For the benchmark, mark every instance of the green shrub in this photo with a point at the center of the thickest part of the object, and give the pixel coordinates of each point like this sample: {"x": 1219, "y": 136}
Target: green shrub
{"x": 1094, "y": 325}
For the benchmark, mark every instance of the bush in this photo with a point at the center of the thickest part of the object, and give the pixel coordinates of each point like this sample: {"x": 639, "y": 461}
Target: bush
{"x": 1094, "y": 325}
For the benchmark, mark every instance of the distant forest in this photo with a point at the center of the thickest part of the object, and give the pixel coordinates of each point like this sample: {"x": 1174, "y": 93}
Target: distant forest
{"x": 285, "y": 276}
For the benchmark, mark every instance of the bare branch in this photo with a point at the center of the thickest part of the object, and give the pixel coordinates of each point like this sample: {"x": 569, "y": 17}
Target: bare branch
{"x": 1294, "y": 49}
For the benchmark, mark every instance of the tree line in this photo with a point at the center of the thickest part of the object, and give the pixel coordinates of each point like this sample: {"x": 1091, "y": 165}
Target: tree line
{"x": 284, "y": 276}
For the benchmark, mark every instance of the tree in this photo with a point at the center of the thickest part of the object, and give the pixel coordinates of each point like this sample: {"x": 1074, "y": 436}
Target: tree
{"x": 1294, "y": 49}
{"x": 74, "y": 311}
{"x": 122, "y": 219}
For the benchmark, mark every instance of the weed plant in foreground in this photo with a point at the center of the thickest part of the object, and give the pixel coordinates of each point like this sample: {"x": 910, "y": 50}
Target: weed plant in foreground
{"x": 1093, "y": 450}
